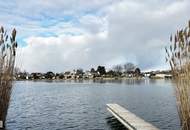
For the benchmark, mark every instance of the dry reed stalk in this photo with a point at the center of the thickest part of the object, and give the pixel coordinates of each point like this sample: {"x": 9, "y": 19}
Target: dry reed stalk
{"x": 8, "y": 47}
{"x": 178, "y": 56}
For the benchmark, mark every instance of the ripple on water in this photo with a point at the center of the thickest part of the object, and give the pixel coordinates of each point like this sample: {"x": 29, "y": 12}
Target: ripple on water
{"x": 82, "y": 106}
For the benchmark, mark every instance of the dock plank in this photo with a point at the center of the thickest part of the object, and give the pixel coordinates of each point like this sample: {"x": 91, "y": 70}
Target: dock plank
{"x": 128, "y": 119}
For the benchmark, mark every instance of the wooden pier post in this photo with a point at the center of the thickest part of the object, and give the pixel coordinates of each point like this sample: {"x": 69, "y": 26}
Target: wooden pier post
{"x": 1, "y": 124}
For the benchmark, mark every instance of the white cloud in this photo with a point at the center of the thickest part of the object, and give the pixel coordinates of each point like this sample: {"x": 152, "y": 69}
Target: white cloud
{"x": 93, "y": 24}
{"x": 123, "y": 31}
{"x": 56, "y": 53}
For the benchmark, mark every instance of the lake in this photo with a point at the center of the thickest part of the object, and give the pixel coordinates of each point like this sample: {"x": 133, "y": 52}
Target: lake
{"x": 81, "y": 105}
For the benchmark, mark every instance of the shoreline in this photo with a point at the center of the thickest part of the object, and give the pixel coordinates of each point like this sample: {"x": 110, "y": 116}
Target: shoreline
{"x": 98, "y": 79}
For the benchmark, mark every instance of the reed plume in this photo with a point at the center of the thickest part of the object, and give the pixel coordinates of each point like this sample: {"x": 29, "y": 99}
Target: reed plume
{"x": 8, "y": 47}
{"x": 178, "y": 56}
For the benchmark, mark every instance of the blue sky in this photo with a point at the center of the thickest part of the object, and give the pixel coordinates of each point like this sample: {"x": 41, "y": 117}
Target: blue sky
{"x": 61, "y": 35}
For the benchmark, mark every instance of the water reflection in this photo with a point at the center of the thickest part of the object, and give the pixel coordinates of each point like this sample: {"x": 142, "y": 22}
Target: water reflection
{"x": 81, "y": 105}
{"x": 132, "y": 81}
{"x": 114, "y": 124}
{"x": 141, "y": 81}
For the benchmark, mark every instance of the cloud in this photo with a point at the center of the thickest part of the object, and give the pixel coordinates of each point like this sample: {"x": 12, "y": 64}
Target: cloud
{"x": 57, "y": 53}
{"x": 96, "y": 33}
{"x": 139, "y": 30}
{"x": 93, "y": 24}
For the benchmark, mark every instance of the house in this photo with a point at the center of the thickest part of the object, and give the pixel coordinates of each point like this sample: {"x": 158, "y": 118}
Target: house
{"x": 36, "y": 76}
{"x": 21, "y": 75}
{"x": 87, "y": 75}
{"x": 59, "y": 76}
{"x": 68, "y": 75}
{"x": 160, "y": 74}
{"x": 78, "y": 74}
{"x": 49, "y": 75}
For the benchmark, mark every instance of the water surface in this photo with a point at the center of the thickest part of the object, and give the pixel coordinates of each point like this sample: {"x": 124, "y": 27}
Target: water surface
{"x": 82, "y": 105}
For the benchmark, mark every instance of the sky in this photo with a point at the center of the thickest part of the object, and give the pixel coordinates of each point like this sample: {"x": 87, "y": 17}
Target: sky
{"x": 60, "y": 35}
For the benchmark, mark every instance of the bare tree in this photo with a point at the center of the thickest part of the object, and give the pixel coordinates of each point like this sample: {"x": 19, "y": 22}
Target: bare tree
{"x": 129, "y": 67}
{"x": 118, "y": 68}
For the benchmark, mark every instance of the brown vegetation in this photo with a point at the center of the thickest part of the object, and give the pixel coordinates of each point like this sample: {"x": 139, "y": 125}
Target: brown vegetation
{"x": 178, "y": 56}
{"x": 8, "y": 47}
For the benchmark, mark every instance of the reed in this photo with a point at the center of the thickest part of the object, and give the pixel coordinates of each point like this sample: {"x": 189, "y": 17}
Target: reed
{"x": 178, "y": 56}
{"x": 8, "y": 47}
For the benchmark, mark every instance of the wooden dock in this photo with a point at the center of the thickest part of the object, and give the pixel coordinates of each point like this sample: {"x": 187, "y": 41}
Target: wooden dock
{"x": 128, "y": 119}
